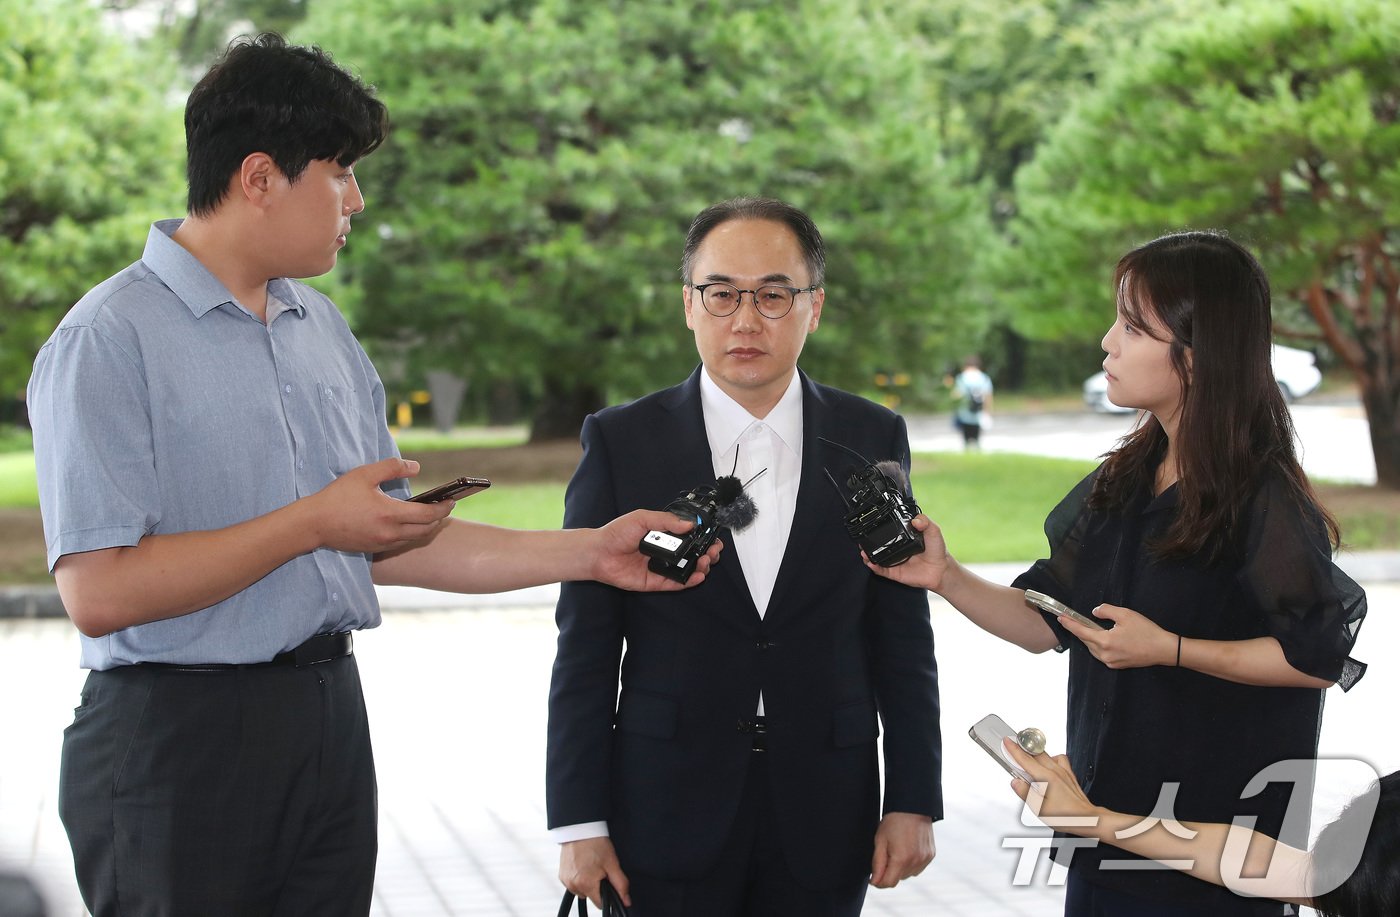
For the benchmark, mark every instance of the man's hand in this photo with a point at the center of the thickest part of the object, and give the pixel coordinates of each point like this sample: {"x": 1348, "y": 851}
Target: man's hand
{"x": 353, "y": 514}
{"x": 1132, "y": 642}
{"x": 925, "y": 569}
{"x": 619, "y": 562}
{"x": 584, "y": 864}
{"x": 903, "y": 847}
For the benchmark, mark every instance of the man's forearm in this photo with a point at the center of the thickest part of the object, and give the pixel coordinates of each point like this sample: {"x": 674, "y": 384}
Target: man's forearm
{"x": 475, "y": 558}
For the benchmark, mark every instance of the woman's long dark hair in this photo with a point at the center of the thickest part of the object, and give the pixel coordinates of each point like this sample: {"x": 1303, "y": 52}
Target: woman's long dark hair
{"x": 1233, "y": 429}
{"x": 1370, "y": 886}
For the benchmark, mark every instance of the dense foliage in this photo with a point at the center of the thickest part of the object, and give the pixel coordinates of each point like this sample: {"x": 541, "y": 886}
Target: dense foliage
{"x": 977, "y": 168}
{"x": 547, "y": 157}
{"x": 90, "y": 152}
{"x": 1275, "y": 121}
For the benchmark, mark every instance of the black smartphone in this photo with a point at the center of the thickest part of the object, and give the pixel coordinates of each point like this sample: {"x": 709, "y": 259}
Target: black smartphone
{"x": 452, "y": 490}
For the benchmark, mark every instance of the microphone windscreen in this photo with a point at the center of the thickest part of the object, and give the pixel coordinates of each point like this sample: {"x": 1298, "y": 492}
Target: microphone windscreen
{"x": 895, "y": 472}
{"x": 738, "y": 513}
{"x": 728, "y": 489}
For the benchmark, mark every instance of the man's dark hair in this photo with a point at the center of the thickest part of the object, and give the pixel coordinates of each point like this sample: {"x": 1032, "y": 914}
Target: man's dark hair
{"x": 809, "y": 238}
{"x": 292, "y": 103}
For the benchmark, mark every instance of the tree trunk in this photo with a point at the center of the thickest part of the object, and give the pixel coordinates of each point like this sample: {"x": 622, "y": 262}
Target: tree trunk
{"x": 1383, "y": 417}
{"x": 561, "y": 411}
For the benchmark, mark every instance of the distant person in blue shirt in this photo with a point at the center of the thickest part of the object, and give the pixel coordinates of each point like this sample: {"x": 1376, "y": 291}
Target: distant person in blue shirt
{"x": 973, "y": 389}
{"x": 220, "y": 494}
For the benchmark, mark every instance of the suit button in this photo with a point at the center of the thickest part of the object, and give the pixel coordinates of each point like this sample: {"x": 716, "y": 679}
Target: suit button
{"x": 763, "y": 644}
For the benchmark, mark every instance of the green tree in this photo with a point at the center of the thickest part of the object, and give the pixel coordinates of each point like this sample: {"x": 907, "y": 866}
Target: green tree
{"x": 90, "y": 152}
{"x": 1274, "y": 121}
{"x": 1004, "y": 72}
{"x": 199, "y": 30}
{"x": 527, "y": 214}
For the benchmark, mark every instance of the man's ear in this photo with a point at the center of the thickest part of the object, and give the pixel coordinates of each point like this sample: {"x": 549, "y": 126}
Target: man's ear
{"x": 257, "y": 176}
{"x": 818, "y": 298}
{"x": 688, "y": 297}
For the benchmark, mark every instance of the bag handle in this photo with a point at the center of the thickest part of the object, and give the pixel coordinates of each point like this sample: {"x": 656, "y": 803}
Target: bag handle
{"x": 612, "y": 902}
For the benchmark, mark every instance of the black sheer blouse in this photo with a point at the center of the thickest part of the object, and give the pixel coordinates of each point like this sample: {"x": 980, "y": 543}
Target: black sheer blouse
{"x": 1134, "y": 734}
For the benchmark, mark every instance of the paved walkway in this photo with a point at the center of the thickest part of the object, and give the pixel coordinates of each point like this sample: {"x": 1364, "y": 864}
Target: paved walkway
{"x": 457, "y": 697}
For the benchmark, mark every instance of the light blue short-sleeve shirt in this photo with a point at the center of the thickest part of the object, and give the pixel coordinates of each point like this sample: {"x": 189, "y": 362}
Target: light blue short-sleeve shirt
{"x": 161, "y": 405}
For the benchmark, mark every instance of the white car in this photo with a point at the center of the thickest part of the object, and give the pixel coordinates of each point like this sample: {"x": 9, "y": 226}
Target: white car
{"x": 1295, "y": 371}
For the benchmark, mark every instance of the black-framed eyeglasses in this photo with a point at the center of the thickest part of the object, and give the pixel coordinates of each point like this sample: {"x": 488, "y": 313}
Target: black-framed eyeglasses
{"x": 772, "y": 300}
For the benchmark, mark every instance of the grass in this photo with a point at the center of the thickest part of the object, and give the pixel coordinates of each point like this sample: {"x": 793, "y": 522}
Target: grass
{"x": 422, "y": 440}
{"x": 18, "y": 486}
{"x": 992, "y": 507}
{"x": 1364, "y": 530}
{"x": 519, "y": 506}
{"x": 967, "y": 494}
{"x": 15, "y": 439}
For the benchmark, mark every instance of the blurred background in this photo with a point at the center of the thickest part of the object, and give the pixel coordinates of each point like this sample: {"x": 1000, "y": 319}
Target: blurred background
{"x": 976, "y": 165}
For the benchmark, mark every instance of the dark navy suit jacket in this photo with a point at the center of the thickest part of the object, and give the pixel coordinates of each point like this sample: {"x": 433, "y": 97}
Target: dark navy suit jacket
{"x": 838, "y": 652}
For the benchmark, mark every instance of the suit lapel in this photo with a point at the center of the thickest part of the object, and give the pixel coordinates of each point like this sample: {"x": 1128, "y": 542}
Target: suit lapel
{"x": 814, "y": 498}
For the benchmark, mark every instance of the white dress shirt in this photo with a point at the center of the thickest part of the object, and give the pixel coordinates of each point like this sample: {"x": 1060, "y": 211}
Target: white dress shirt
{"x": 772, "y": 445}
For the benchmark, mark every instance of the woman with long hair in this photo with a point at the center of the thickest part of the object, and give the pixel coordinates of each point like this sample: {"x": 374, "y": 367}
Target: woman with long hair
{"x": 1201, "y": 551}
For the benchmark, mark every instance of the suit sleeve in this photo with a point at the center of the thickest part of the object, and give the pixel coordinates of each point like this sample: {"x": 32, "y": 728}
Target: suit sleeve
{"x": 583, "y": 689}
{"x": 906, "y": 680}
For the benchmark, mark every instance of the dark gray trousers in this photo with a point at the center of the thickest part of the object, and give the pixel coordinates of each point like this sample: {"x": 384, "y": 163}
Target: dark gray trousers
{"x": 243, "y": 791}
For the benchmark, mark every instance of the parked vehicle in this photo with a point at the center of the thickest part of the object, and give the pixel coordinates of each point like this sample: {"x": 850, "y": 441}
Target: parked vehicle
{"x": 1295, "y": 371}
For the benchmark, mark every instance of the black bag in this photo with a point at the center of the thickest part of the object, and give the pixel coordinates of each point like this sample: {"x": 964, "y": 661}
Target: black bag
{"x": 975, "y": 402}
{"x": 612, "y": 903}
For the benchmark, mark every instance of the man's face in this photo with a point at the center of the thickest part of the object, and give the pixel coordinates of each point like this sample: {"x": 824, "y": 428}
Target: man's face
{"x": 750, "y": 357}
{"x": 311, "y": 217}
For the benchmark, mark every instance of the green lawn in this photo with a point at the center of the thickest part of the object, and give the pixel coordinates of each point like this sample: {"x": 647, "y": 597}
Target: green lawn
{"x": 990, "y": 506}
{"x": 18, "y": 488}
{"x": 519, "y": 506}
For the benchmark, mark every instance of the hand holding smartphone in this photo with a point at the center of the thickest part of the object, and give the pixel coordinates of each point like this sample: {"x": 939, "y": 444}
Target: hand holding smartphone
{"x": 1059, "y": 609}
{"x": 988, "y": 733}
{"x": 452, "y": 490}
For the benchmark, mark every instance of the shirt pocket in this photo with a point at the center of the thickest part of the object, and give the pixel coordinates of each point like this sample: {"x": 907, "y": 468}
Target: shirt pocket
{"x": 344, "y": 426}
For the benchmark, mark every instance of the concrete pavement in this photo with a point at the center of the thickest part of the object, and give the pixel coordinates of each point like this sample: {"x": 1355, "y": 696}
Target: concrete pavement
{"x": 457, "y": 698}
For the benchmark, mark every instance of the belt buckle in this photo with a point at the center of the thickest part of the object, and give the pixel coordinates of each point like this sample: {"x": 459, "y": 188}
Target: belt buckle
{"x": 322, "y": 648}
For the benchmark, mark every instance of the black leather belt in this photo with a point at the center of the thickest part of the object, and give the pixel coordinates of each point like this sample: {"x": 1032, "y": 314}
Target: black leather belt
{"x": 318, "y": 649}
{"x": 757, "y": 727}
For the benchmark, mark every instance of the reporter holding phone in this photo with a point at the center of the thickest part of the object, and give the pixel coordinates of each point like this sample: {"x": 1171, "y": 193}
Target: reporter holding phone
{"x": 220, "y": 494}
{"x": 1201, "y": 548}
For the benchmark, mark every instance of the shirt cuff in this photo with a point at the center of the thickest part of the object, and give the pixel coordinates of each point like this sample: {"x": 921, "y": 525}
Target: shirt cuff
{"x": 581, "y": 832}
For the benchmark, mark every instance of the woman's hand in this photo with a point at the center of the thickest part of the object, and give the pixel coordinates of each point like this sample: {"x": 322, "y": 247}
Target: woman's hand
{"x": 925, "y": 569}
{"x": 1134, "y": 640}
{"x": 1055, "y": 797}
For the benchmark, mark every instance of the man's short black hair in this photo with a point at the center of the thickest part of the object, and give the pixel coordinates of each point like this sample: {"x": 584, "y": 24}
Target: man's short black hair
{"x": 809, "y": 238}
{"x": 293, "y": 103}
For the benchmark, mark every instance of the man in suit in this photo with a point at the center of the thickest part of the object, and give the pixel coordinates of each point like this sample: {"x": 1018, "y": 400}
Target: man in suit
{"x": 736, "y": 770}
